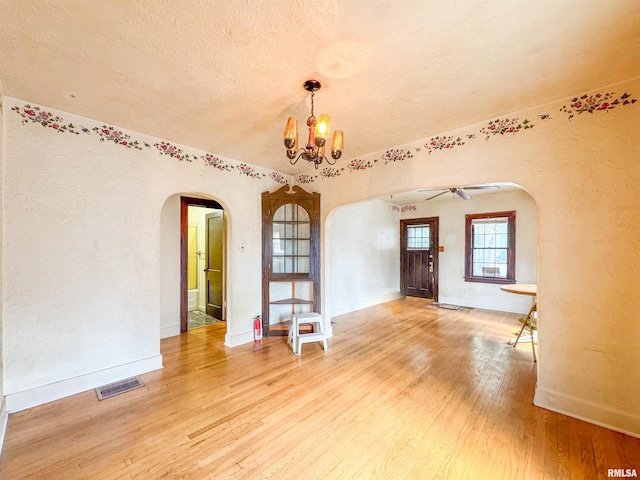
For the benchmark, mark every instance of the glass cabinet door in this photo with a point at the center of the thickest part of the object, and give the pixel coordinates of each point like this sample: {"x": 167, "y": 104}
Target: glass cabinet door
{"x": 291, "y": 240}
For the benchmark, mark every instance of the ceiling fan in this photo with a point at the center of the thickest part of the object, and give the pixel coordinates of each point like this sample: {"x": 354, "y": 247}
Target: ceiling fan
{"x": 460, "y": 191}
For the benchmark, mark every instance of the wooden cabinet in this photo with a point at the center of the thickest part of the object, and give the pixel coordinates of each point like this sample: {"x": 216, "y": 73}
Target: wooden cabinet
{"x": 290, "y": 256}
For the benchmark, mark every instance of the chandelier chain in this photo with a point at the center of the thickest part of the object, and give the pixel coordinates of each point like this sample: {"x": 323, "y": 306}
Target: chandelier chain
{"x": 312, "y": 95}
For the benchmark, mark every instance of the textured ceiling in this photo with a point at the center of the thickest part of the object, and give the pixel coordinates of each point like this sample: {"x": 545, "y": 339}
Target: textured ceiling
{"x": 223, "y": 76}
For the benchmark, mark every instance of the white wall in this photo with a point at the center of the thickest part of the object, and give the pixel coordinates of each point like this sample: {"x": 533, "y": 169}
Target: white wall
{"x": 583, "y": 174}
{"x": 104, "y": 253}
{"x": 451, "y": 211}
{"x": 363, "y": 255}
{"x": 170, "y": 267}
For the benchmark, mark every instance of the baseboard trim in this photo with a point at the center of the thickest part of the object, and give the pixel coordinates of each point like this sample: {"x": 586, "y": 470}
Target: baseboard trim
{"x": 233, "y": 340}
{"x": 515, "y": 305}
{"x": 170, "y": 331}
{"x": 587, "y": 411}
{"x": 370, "y": 302}
{"x": 4, "y": 418}
{"x": 247, "y": 337}
{"x": 54, "y": 391}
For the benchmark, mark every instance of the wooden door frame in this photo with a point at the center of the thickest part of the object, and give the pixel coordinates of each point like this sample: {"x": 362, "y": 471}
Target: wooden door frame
{"x": 434, "y": 244}
{"x": 184, "y": 234}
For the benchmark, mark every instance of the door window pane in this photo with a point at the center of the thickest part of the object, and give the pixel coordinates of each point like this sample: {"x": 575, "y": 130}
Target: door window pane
{"x": 418, "y": 237}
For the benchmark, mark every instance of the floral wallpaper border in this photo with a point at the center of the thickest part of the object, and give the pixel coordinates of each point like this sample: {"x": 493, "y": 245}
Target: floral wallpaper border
{"x": 500, "y": 127}
{"x": 404, "y": 208}
{"x": 109, "y": 134}
{"x": 493, "y": 129}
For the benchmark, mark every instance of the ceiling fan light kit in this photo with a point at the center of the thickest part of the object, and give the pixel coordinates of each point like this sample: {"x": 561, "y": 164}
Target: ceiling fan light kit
{"x": 314, "y": 150}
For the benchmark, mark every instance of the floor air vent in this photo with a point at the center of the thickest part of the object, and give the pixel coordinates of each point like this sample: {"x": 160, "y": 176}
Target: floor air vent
{"x": 116, "y": 388}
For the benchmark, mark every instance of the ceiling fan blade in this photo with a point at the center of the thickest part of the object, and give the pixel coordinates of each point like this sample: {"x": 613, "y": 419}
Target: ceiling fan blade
{"x": 436, "y": 195}
{"x": 431, "y": 189}
{"x": 462, "y": 194}
{"x": 482, "y": 187}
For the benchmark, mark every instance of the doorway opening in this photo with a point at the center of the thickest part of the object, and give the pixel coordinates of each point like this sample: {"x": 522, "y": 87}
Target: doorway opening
{"x": 202, "y": 264}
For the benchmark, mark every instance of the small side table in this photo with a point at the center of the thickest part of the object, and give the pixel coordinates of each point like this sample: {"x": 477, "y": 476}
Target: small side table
{"x": 530, "y": 289}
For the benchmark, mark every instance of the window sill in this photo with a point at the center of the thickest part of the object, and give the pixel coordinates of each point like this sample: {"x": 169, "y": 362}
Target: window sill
{"x": 490, "y": 280}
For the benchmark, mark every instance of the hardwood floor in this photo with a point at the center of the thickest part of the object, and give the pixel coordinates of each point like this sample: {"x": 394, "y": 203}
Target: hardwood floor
{"x": 405, "y": 391}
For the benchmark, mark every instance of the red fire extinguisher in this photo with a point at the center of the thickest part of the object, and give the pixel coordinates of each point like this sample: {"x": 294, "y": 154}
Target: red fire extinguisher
{"x": 257, "y": 329}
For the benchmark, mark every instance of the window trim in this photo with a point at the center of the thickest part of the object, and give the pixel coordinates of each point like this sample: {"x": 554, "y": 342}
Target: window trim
{"x": 511, "y": 248}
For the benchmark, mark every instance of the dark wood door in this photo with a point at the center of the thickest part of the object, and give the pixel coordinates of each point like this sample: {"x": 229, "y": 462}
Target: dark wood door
{"x": 418, "y": 281}
{"x": 214, "y": 270}
{"x": 419, "y": 257}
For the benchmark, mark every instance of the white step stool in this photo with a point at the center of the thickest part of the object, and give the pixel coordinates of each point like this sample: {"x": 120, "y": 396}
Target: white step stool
{"x": 296, "y": 339}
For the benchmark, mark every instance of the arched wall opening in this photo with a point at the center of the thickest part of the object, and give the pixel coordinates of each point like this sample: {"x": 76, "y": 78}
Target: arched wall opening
{"x": 362, "y": 249}
{"x": 173, "y": 283}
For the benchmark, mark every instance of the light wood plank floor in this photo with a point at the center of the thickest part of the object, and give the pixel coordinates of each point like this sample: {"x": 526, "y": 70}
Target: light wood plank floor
{"x": 406, "y": 391}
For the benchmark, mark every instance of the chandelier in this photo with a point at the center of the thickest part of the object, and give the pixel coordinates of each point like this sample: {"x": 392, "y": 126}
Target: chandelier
{"x": 314, "y": 150}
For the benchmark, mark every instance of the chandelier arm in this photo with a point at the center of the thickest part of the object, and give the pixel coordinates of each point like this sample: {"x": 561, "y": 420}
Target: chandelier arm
{"x": 329, "y": 160}
{"x": 293, "y": 159}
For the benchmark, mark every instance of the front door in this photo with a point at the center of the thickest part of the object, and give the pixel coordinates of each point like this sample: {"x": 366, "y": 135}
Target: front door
{"x": 419, "y": 257}
{"x": 214, "y": 229}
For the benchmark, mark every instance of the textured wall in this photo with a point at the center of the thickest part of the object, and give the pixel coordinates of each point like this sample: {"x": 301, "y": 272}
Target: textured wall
{"x": 364, "y": 260}
{"x": 102, "y": 252}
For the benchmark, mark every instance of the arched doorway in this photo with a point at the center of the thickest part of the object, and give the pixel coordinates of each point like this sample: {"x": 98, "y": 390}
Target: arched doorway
{"x": 212, "y": 253}
{"x": 363, "y": 239}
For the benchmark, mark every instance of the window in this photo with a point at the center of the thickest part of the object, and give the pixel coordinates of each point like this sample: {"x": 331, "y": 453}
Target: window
{"x": 490, "y": 247}
{"x": 418, "y": 237}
